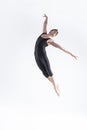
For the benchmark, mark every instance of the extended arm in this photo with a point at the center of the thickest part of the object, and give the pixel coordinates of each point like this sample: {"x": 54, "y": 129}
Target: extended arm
{"x": 45, "y": 23}
{"x": 61, "y": 48}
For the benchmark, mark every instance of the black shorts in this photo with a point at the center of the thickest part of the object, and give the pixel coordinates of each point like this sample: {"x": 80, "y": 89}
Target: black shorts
{"x": 44, "y": 65}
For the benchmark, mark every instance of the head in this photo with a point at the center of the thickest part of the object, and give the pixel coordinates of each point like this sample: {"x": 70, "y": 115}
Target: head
{"x": 53, "y": 32}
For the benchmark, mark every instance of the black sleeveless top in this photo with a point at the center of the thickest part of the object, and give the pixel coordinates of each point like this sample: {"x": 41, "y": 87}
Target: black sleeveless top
{"x": 40, "y": 45}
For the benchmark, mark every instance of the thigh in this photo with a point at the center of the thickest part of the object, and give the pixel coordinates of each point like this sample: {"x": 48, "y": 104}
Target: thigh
{"x": 46, "y": 64}
{"x": 42, "y": 68}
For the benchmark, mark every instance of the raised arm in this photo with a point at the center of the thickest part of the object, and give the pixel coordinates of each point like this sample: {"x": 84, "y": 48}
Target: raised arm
{"x": 45, "y": 23}
{"x": 61, "y": 48}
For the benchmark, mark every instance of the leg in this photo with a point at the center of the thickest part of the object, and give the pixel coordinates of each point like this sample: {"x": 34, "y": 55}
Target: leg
{"x": 51, "y": 79}
{"x": 44, "y": 65}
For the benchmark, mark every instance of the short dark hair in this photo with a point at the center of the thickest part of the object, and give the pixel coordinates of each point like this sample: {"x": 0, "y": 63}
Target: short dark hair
{"x": 54, "y": 30}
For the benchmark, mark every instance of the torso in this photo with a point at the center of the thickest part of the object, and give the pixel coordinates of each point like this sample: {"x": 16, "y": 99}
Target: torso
{"x": 45, "y": 36}
{"x": 41, "y": 43}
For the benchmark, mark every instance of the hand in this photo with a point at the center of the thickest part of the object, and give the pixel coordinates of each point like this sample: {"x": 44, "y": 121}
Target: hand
{"x": 45, "y": 16}
{"x": 74, "y": 56}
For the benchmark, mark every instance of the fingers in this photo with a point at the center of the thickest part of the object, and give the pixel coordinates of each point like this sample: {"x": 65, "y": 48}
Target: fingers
{"x": 76, "y": 57}
{"x": 45, "y": 15}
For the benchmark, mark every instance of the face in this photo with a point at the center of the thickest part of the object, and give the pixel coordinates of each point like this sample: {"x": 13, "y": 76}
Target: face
{"x": 53, "y": 33}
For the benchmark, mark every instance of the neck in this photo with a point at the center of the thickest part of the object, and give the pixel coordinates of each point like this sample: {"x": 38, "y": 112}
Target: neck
{"x": 49, "y": 35}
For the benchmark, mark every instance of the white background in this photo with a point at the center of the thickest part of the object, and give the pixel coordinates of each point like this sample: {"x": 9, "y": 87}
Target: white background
{"x": 27, "y": 98}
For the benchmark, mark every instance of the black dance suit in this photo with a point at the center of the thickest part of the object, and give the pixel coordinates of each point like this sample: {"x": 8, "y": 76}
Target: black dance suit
{"x": 41, "y": 56}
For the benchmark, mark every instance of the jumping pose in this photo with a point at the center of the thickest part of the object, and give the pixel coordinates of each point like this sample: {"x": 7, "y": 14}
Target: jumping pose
{"x": 44, "y": 40}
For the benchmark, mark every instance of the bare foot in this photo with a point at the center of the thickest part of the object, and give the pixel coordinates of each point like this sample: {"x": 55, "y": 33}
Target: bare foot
{"x": 57, "y": 90}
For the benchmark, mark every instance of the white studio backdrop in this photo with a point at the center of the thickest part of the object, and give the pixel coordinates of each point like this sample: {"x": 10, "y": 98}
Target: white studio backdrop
{"x": 27, "y": 98}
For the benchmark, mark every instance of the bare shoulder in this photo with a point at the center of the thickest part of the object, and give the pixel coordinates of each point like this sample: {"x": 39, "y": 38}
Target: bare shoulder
{"x": 44, "y": 35}
{"x": 49, "y": 41}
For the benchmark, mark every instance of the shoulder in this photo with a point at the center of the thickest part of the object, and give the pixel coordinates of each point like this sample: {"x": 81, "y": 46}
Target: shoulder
{"x": 44, "y": 35}
{"x": 49, "y": 41}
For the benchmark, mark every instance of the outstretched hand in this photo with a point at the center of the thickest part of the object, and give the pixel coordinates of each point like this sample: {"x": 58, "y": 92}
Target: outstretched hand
{"x": 45, "y": 16}
{"x": 74, "y": 56}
